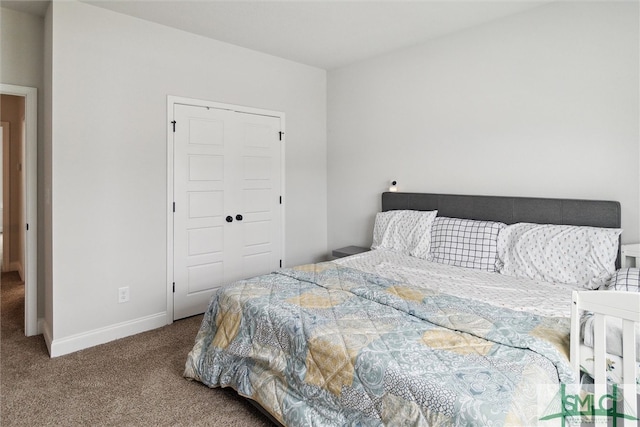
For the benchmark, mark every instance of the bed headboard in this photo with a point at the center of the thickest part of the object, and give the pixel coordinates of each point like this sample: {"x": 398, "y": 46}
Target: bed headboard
{"x": 593, "y": 213}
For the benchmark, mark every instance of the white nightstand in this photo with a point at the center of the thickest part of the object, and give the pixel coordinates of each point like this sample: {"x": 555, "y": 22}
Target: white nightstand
{"x": 630, "y": 256}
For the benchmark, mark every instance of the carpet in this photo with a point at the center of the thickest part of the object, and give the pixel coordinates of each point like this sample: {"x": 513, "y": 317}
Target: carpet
{"x": 134, "y": 381}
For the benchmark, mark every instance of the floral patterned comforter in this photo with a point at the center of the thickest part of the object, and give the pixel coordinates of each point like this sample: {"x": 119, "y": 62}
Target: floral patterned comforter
{"x": 327, "y": 345}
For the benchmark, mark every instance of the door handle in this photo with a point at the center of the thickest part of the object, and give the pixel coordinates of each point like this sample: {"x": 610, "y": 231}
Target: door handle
{"x": 229, "y": 218}
{"x": 239, "y": 217}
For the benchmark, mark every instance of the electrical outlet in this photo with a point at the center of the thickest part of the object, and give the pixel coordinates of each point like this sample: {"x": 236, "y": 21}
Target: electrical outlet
{"x": 123, "y": 294}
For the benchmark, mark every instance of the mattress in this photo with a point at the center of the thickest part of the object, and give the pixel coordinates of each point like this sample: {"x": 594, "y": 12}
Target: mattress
{"x": 521, "y": 294}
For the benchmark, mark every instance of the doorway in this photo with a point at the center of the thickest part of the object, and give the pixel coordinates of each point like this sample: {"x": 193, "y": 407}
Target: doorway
{"x": 19, "y": 178}
{"x": 5, "y": 142}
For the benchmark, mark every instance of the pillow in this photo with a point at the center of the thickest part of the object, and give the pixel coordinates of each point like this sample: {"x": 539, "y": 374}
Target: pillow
{"x": 403, "y": 231}
{"x": 570, "y": 254}
{"x": 625, "y": 279}
{"x": 465, "y": 242}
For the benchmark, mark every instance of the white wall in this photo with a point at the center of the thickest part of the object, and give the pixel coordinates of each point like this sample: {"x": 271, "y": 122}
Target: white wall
{"x": 21, "y": 47}
{"x": 111, "y": 77}
{"x": 544, "y": 103}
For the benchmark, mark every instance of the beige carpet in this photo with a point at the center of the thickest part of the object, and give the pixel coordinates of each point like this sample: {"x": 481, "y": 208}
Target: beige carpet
{"x": 135, "y": 381}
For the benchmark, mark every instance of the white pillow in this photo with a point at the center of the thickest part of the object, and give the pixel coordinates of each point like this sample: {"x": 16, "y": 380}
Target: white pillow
{"x": 583, "y": 256}
{"x": 403, "y": 231}
{"x": 465, "y": 243}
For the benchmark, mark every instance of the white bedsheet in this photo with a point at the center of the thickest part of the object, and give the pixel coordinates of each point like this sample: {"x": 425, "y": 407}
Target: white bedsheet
{"x": 613, "y": 334}
{"x": 541, "y": 298}
{"x": 613, "y": 368}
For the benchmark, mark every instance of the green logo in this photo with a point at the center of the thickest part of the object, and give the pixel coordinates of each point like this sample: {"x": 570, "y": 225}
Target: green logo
{"x": 576, "y": 408}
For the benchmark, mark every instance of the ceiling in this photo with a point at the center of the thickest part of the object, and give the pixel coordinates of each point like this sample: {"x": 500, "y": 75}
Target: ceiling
{"x": 326, "y": 34}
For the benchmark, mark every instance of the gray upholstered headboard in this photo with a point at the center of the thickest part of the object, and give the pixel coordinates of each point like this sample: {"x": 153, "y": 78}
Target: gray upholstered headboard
{"x": 594, "y": 213}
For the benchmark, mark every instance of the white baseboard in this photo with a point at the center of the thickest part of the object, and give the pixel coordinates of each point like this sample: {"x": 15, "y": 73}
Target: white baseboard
{"x": 73, "y": 343}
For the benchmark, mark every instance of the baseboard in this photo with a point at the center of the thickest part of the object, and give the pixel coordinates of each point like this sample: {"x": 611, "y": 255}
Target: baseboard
{"x": 73, "y": 343}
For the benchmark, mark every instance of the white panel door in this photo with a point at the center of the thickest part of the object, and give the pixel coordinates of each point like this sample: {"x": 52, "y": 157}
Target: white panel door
{"x": 257, "y": 223}
{"x": 227, "y": 219}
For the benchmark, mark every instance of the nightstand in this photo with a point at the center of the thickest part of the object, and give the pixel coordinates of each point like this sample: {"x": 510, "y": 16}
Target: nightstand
{"x": 630, "y": 255}
{"x": 348, "y": 250}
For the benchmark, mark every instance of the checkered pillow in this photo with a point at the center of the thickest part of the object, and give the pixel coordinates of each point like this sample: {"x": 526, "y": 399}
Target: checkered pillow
{"x": 625, "y": 279}
{"x": 465, "y": 242}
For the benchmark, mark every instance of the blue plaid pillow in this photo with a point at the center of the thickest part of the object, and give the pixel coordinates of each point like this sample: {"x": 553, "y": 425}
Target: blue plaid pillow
{"x": 465, "y": 242}
{"x": 625, "y": 279}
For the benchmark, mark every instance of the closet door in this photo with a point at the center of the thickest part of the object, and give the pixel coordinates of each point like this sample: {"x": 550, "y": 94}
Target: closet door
{"x": 228, "y": 216}
{"x": 256, "y": 180}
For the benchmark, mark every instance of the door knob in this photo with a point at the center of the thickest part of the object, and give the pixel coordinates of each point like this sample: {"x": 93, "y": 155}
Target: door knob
{"x": 239, "y": 217}
{"x": 229, "y": 218}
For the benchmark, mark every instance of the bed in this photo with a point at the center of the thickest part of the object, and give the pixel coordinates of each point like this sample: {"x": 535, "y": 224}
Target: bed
{"x": 407, "y": 337}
